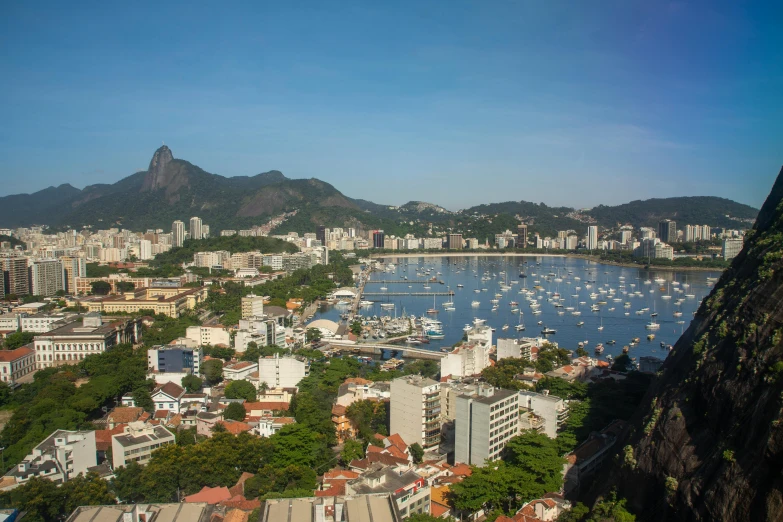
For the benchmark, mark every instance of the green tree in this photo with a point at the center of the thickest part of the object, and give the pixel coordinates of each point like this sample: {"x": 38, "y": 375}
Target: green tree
{"x": 252, "y": 353}
{"x": 125, "y": 286}
{"x": 356, "y": 328}
{"x": 126, "y": 484}
{"x": 90, "y": 490}
{"x": 621, "y": 363}
{"x": 192, "y": 383}
{"x": 313, "y": 334}
{"x": 284, "y": 480}
{"x": 17, "y": 339}
{"x": 241, "y": 390}
{"x": 213, "y": 371}
{"x": 352, "y": 449}
{"x": 417, "y": 452}
{"x": 38, "y": 497}
{"x": 538, "y": 455}
{"x": 234, "y": 411}
{"x": 297, "y": 444}
{"x": 100, "y": 287}
{"x": 423, "y": 517}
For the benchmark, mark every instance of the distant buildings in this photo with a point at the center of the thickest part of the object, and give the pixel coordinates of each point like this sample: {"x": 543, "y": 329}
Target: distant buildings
{"x": 60, "y": 457}
{"x": 731, "y": 247}
{"x": 455, "y": 241}
{"x": 378, "y": 238}
{"x": 667, "y": 231}
{"x": 521, "y": 236}
{"x": 282, "y": 372}
{"x": 485, "y": 421}
{"x": 209, "y": 335}
{"x": 15, "y": 275}
{"x": 592, "y": 237}
{"x": 415, "y": 410}
{"x": 194, "y": 230}
{"x": 46, "y": 277}
{"x": 170, "y": 301}
{"x": 553, "y": 410}
{"x": 137, "y": 442}
{"x": 252, "y": 306}
{"x": 177, "y": 234}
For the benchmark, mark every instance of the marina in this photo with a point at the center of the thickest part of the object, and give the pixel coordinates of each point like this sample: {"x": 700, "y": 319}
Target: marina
{"x": 566, "y": 300}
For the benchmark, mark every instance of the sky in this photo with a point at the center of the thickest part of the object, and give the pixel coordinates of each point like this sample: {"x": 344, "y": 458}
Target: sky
{"x": 451, "y": 102}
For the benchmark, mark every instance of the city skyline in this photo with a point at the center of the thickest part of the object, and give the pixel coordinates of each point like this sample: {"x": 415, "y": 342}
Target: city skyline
{"x": 651, "y": 100}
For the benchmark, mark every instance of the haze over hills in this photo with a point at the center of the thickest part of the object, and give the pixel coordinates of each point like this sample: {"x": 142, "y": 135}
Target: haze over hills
{"x": 173, "y": 189}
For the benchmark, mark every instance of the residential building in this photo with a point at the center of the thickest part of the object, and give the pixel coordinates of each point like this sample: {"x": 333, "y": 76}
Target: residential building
{"x": 195, "y": 228}
{"x": 209, "y": 335}
{"x": 10, "y": 323}
{"x": 282, "y": 372}
{"x": 238, "y": 371}
{"x": 350, "y": 508}
{"x": 592, "y": 237}
{"x": 455, "y": 241}
{"x": 16, "y": 278}
{"x": 252, "y": 306}
{"x": 175, "y": 358}
{"x": 168, "y": 397}
{"x": 625, "y": 236}
{"x": 60, "y": 457}
{"x": 76, "y": 340}
{"x": 553, "y": 410}
{"x": 73, "y": 267}
{"x": 137, "y": 442}
{"x": 218, "y": 259}
{"x": 521, "y": 236}
{"x": 667, "y": 231}
{"x": 268, "y": 426}
{"x": 664, "y": 251}
{"x": 415, "y": 410}
{"x": 731, "y": 247}
{"x": 468, "y": 359}
{"x": 585, "y": 460}
{"x": 378, "y": 238}
{"x": 357, "y": 389}
{"x": 343, "y": 427}
{"x": 177, "y": 234}
{"x": 515, "y": 348}
{"x": 46, "y": 277}
{"x": 41, "y": 323}
{"x": 485, "y": 421}
{"x": 17, "y": 363}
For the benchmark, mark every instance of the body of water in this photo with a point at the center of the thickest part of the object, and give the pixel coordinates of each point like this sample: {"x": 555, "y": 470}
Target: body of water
{"x": 580, "y": 284}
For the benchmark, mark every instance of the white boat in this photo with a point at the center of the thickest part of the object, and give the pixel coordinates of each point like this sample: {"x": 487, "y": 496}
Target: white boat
{"x": 475, "y": 304}
{"x": 387, "y": 306}
{"x": 366, "y": 303}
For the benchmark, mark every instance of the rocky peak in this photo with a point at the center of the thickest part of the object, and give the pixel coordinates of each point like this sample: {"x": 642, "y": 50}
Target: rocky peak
{"x": 156, "y": 174}
{"x": 707, "y": 442}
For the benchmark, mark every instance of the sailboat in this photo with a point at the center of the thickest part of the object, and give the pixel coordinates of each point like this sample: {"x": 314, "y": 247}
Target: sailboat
{"x": 433, "y": 310}
{"x": 602, "y": 324}
{"x": 520, "y": 327}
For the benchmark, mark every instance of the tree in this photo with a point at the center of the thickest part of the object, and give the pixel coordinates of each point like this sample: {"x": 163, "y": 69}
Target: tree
{"x": 60, "y": 293}
{"x": 125, "y": 286}
{"x": 17, "y": 339}
{"x": 581, "y": 352}
{"x": 538, "y": 455}
{"x": 423, "y": 517}
{"x": 298, "y": 444}
{"x": 241, "y": 390}
{"x": 234, "y": 411}
{"x": 313, "y": 335}
{"x": 621, "y": 363}
{"x": 192, "y": 383}
{"x": 352, "y": 449}
{"x": 356, "y": 328}
{"x": 126, "y": 483}
{"x": 213, "y": 371}
{"x": 252, "y": 352}
{"x": 417, "y": 452}
{"x": 100, "y": 287}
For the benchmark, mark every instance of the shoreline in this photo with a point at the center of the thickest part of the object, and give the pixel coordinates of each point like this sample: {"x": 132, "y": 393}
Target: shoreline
{"x": 573, "y": 256}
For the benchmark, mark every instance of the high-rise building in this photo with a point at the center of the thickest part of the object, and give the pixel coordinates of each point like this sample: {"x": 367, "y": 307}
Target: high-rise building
{"x": 378, "y": 238}
{"x": 691, "y": 233}
{"x": 521, "y": 236}
{"x": 415, "y": 410}
{"x": 145, "y": 250}
{"x": 177, "y": 234}
{"x": 320, "y": 234}
{"x": 731, "y": 247}
{"x": 195, "y": 228}
{"x": 73, "y": 267}
{"x": 484, "y": 423}
{"x": 204, "y": 231}
{"x": 706, "y": 232}
{"x": 15, "y": 275}
{"x": 46, "y": 277}
{"x": 252, "y": 306}
{"x": 282, "y": 372}
{"x": 592, "y": 237}
{"x": 625, "y": 236}
{"x": 455, "y": 241}
{"x": 667, "y": 230}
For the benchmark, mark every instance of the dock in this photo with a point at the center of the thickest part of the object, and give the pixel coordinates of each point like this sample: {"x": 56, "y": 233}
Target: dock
{"x": 423, "y": 294}
{"x": 405, "y": 281}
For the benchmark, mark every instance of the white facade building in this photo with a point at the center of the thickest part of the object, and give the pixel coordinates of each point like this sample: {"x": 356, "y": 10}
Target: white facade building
{"x": 552, "y": 409}
{"x": 282, "y": 372}
{"x": 60, "y": 457}
{"x": 208, "y": 335}
{"x": 415, "y": 410}
{"x": 465, "y": 360}
{"x": 485, "y": 421}
{"x": 137, "y": 443}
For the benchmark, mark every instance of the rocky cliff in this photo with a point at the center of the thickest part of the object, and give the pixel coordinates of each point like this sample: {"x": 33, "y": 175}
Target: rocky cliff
{"x": 708, "y": 440}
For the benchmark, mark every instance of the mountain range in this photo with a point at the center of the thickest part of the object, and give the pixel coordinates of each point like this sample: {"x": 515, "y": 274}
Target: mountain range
{"x": 172, "y": 189}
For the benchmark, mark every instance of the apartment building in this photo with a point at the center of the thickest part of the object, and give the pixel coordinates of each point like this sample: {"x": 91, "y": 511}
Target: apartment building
{"x": 252, "y": 306}
{"x": 208, "y": 335}
{"x": 415, "y": 410}
{"x": 515, "y": 349}
{"x": 41, "y": 323}
{"x": 553, "y": 410}
{"x": 465, "y": 360}
{"x": 282, "y": 372}
{"x": 137, "y": 442}
{"x": 46, "y": 277}
{"x": 60, "y": 457}
{"x": 175, "y": 359}
{"x": 485, "y": 421}
{"x": 15, "y": 275}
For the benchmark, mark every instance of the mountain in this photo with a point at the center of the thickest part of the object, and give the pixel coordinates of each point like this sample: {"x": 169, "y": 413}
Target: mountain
{"x": 172, "y": 189}
{"x": 707, "y": 442}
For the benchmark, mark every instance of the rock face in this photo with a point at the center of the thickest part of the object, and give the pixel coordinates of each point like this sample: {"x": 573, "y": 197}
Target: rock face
{"x": 157, "y": 173}
{"x": 707, "y": 442}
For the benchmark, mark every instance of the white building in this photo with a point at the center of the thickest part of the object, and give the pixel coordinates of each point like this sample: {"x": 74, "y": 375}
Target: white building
{"x": 552, "y": 409}
{"x": 15, "y": 364}
{"x": 252, "y": 306}
{"x": 515, "y": 349}
{"x": 415, "y": 410}
{"x": 41, "y": 323}
{"x": 239, "y": 370}
{"x": 592, "y": 237}
{"x": 145, "y": 250}
{"x": 46, "y": 277}
{"x": 177, "y": 234}
{"x": 485, "y": 421}
{"x": 195, "y": 228}
{"x": 208, "y": 335}
{"x": 137, "y": 443}
{"x": 168, "y": 397}
{"x": 60, "y": 457}
{"x": 282, "y": 372}
{"x": 731, "y": 247}
{"x": 465, "y": 360}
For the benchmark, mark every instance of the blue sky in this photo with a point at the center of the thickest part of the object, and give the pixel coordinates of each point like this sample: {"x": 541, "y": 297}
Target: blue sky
{"x": 458, "y": 103}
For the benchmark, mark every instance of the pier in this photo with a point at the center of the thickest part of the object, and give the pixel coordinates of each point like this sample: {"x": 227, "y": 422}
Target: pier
{"x": 424, "y": 294}
{"x": 378, "y": 348}
{"x": 405, "y": 281}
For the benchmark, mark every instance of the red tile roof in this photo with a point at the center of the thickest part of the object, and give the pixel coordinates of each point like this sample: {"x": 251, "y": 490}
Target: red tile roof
{"x": 209, "y": 495}
{"x": 172, "y": 390}
{"x": 103, "y": 437}
{"x": 240, "y": 502}
{"x": 125, "y": 414}
{"x": 236, "y": 427}
{"x": 396, "y": 441}
{"x": 270, "y": 405}
{"x": 13, "y": 355}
